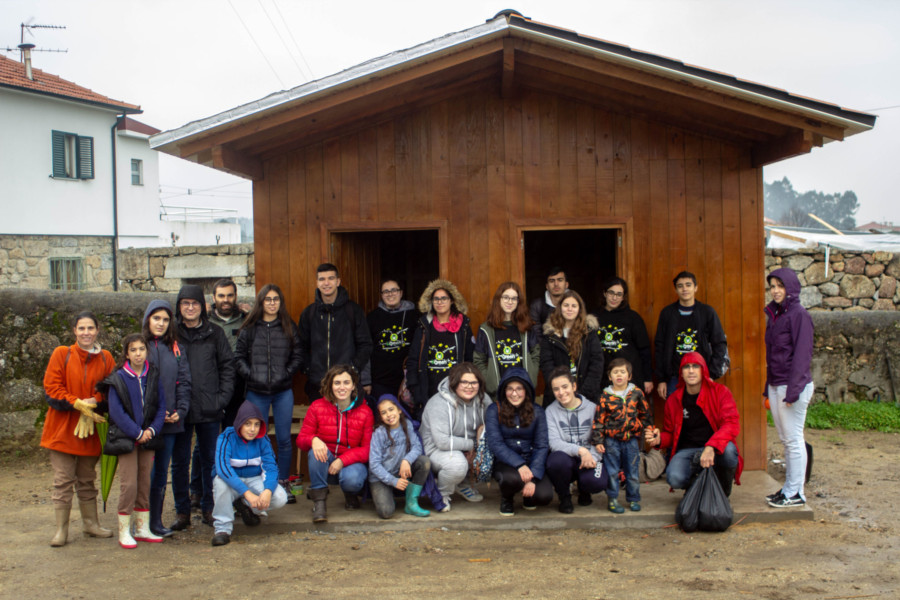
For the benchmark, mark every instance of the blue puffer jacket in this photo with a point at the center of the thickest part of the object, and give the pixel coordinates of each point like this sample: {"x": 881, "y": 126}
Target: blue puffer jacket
{"x": 518, "y": 445}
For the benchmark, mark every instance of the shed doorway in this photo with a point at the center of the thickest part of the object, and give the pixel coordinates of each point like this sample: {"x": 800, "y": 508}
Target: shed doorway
{"x": 588, "y": 256}
{"x": 366, "y": 257}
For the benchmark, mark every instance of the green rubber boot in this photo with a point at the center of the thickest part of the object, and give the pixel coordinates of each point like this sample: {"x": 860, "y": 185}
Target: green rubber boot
{"x": 412, "y": 501}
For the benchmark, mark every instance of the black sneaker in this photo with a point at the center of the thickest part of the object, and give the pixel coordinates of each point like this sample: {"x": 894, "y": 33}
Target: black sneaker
{"x": 783, "y": 502}
{"x": 528, "y": 503}
{"x": 250, "y": 518}
{"x": 584, "y": 499}
{"x": 565, "y": 505}
{"x": 506, "y": 507}
{"x": 775, "y": 496}
{"x": 220, "y": 539}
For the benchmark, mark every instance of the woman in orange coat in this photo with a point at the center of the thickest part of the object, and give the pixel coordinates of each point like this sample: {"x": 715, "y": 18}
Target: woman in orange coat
{"x": 70, "y": 387}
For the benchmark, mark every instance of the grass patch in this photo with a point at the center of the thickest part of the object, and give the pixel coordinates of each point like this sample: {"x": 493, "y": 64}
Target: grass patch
{"x": 858, "y": 416}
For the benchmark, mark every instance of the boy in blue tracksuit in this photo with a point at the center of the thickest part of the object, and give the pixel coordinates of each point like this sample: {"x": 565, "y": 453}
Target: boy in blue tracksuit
{"x": 245, "y": 476}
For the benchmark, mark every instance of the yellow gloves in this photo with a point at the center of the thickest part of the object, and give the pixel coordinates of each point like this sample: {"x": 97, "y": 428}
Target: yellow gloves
{"x": 84, "y": 428}
{"x": 86, "y": 408}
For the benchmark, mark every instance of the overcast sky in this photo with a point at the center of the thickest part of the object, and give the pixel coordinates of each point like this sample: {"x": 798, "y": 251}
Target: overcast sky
{"x": 188, "y": 59}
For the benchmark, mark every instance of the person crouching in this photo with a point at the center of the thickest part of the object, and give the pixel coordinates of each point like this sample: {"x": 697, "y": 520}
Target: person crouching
{"x": 245, "y": 475}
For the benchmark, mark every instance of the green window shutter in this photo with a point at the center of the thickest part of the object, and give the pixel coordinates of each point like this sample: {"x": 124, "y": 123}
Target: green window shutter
{"x": 58, "y": 144}
{"x": 85, "y": 157}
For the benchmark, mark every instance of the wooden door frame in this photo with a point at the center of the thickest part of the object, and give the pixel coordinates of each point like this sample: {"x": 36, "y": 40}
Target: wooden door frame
{"x": 624, "y": 226}
{"x": 328, "y": 229}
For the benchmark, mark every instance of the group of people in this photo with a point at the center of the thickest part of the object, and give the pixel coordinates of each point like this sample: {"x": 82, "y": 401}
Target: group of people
{"x": 404, "y": 398}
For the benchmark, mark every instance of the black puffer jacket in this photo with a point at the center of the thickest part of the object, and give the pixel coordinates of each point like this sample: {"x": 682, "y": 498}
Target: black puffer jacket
{"x": 589, "y": 367}
{"x": 210, "y": 359}
{"x": 331, "y": 334}
{"x": 266, "y": 358}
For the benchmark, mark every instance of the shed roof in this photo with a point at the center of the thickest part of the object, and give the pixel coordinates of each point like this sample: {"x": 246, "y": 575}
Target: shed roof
{"x": 12, "y": 76}
{"x": 513, "y": 52}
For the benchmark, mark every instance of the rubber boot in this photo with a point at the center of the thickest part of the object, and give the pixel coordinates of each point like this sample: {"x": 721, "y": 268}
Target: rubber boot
{"x": 62, "y": 526}
{"x": 142, "y": 531}
{"x": 319, "y": 510}
{"x": 412, "y": 501}
{"x": 157, "y": 499}
{"x": 90, "y": 522}
{"x": 726, "y": 478}
{"x": 125, "y": 539}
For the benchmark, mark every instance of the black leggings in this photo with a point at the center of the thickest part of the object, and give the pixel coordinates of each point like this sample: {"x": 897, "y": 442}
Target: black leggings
{"x": 511, "y": 484}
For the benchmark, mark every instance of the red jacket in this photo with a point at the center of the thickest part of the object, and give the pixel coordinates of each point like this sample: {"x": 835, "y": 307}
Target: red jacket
{"x": 72, "y": 374}
{"x": 347, "y": 434}
{"x": 718, "y": 406}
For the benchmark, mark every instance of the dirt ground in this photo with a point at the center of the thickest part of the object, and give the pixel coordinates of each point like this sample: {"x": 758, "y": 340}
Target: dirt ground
{"x": 850, "y": 550}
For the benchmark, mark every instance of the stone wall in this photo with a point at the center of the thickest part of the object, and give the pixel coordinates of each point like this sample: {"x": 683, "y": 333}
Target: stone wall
{"x": 25, "y": 260}
{"x": 167, "y": 269}
{"x": 851, "y": 281}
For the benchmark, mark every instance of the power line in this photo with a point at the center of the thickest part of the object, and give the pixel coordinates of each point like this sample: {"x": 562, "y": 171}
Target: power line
{"x": 280, "y": 37}
{"x": 258, "y": 47}
{"x": 291, "y": 34}
{"x": 882, "y": 108}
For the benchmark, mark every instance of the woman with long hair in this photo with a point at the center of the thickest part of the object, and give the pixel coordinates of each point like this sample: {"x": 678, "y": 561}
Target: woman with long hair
{"x": 175, "y": 382}
{"x": 266, "y": 356}
{"x": 623, "y": 334}
{"x": 570, "y": 339}
{"x": 505, "y": 339}
{"x": 443, "y": 338}
{"x": 336, "y": 434}
{"x": 70, "y": 385}
{"x": 516, "y": 433}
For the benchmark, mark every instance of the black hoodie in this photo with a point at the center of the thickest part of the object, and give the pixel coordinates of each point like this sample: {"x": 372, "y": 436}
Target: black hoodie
{"x": 210, "y": 358}
{"x": 623, "y": 334}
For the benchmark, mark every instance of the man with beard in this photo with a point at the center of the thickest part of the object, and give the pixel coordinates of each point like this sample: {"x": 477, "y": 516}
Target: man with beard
{"x": 228, "y": 315}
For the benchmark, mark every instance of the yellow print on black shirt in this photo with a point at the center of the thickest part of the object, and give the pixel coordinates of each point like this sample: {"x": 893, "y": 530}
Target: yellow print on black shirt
{"x": 686, "y": 341}
{"x": 392, "y": 339}
{"x": 441, "y": 357}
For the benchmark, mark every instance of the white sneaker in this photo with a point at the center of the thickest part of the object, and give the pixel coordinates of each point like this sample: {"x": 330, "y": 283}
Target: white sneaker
{"x": 446, "y": 500}
{"x": 469, "y": 493}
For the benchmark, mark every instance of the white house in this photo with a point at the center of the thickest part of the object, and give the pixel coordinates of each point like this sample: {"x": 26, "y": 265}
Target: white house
{"x": 78, "y": 180}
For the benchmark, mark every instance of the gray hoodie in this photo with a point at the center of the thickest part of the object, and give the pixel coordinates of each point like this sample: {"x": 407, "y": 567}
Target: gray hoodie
{"x": 448, "y": 423}
{"x": 570, "y": 430}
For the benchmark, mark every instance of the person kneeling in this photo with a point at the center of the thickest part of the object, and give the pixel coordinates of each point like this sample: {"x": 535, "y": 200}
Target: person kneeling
{"x": 245, "y": 474}
{"x": 516, "y": 432}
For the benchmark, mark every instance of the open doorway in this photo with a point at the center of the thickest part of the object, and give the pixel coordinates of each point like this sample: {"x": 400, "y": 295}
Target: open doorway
{"x": 365, "y": 257}
{"x": 588, "y": 256}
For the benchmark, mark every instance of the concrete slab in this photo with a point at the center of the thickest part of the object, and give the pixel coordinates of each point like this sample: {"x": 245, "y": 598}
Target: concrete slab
{"x": 658, "y": 510}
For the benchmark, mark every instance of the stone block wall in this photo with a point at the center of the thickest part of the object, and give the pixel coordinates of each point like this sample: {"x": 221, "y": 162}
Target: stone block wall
{"x": 25, "y": 260}
{"x": 167, "y": 269}
{"x": 849, "y": 281}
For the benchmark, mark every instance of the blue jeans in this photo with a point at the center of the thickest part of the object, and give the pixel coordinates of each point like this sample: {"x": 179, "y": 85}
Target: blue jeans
{"x": 623, "y": 456}
{"x": 682, "y": 468}
{"x": 282, "y": 405}
{"x": 207, "y": 434}
{"x": 351, "y": 478}
{"x": 160, "y": 475}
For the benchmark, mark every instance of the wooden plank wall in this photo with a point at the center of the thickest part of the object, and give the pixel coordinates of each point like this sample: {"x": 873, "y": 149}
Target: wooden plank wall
{"x": 480, "y": 161}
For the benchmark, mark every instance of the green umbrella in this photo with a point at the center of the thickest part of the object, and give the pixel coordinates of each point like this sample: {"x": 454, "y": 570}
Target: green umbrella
{"x": 108, "y": 464}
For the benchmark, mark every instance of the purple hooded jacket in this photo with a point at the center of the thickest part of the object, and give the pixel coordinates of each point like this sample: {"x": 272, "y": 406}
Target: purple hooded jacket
{"x": 789, "y": 339}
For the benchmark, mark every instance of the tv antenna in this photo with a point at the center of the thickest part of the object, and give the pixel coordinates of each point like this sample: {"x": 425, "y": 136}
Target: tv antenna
{"x": 26, "y": 28}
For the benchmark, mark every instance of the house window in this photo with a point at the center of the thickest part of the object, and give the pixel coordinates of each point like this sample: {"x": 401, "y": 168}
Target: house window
{"x": 73, "y": 156}
{"x": 66, "y": 274}
{"x": 137, "y": 172}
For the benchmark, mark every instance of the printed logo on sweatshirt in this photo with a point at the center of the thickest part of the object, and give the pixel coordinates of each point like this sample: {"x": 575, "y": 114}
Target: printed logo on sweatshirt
{"x": 441, "y": 357}
{"x": 509, "y": 352}
{"x": 686, "y": 341}
{"x": 393, "y": 339}
{"x": 611, "y": 338}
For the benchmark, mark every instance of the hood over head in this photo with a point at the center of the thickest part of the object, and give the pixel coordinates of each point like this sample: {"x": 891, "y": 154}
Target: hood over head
{"x": 697, "y": 359}
{"x": 515, "y": 374}
{"x": 791, "y": 284}
{"x": 442, "y": 284}
{"x": 248, "y": 411}
{"x": 156, "y": 305}
{"x": 191, "y": 292}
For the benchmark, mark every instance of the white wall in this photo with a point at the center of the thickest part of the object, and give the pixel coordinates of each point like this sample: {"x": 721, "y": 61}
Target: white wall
{"x": 33, "y": 202}
{"x": 139, "y": 224}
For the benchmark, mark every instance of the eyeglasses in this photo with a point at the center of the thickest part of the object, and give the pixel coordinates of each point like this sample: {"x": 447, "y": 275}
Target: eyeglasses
{"x": 509, "y": 298}
{"x": 468, "y": 384}
{"x": 190, "y": 304}
{"x": 271, "y": 300}
{"x": 390, "y": 291}
{"x": 440, "y": 298}
{"x": 612, "y": 294}
{"x": 516, "y": 392}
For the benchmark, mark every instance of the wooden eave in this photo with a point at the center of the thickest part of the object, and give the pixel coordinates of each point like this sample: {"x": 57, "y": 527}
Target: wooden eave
{"x": 528, "y": 56}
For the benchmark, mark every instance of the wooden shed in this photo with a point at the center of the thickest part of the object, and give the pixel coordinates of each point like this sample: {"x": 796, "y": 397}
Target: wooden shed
{"x": 496, "y": 152}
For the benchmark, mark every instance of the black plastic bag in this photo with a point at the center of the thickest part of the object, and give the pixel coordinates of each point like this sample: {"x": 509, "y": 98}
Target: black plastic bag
{"x": 705, "y": 507}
